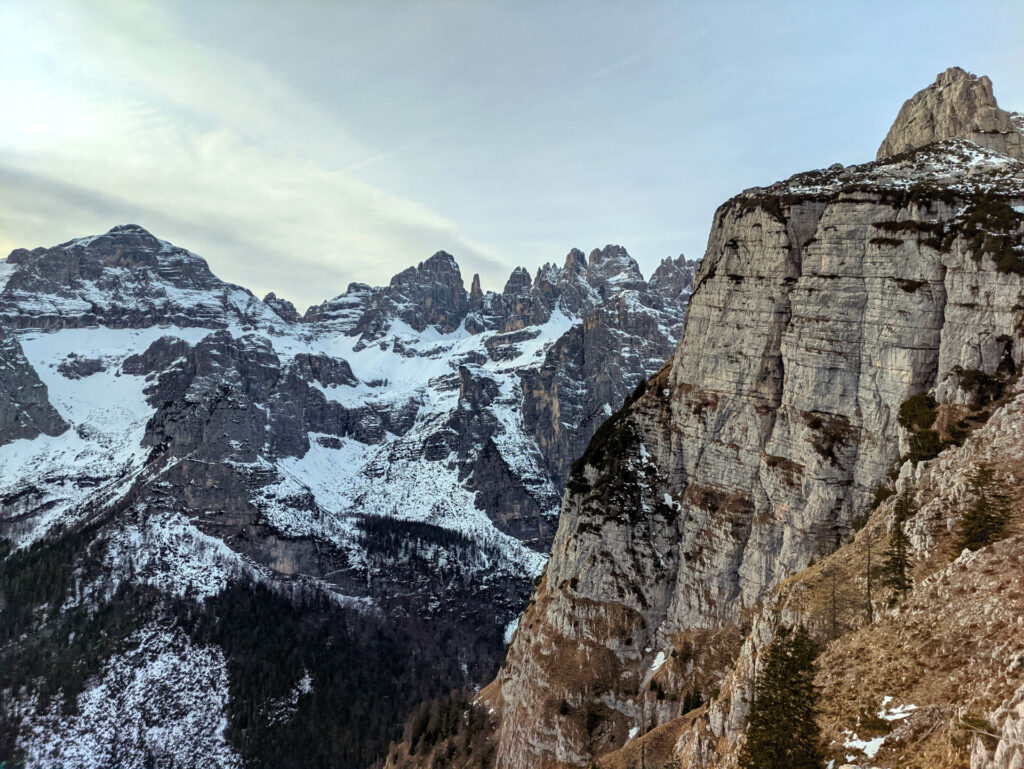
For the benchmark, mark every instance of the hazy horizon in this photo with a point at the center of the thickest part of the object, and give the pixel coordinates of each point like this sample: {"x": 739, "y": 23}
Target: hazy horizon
{"x": 301, "y": 147}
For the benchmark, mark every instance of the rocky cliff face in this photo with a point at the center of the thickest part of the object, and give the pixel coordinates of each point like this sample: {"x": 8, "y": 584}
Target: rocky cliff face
{"x": 25, "y": 408}
{"x": 430, "y": 294}
{"x": 958, "y": 105}
{"x": 187, "y": 437}
{"x": 823, "y": 303}
{"x": 930, "y": 668}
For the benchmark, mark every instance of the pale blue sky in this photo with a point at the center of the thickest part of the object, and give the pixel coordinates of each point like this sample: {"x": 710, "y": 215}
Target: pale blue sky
{"x": 299, "y": 146}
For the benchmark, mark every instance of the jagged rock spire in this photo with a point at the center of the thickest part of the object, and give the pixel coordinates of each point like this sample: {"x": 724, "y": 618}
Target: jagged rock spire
{"x": 575, "y": 261}
{"x": 518, "y": 282}
{"x": 282, "y": 307}
{"x": 476, "y": 294}
{"x": 673, "y": 278}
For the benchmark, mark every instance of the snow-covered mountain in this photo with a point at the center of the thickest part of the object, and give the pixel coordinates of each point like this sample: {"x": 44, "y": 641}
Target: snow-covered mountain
{"x": 167, "y": 439}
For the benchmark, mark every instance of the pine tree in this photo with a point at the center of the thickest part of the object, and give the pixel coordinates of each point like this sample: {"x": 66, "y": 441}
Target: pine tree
{"x": 692, "y": 700}
{"x": 897, "y": 557}
{"x": 869, "y": 573}
{"x": 988, "y": 517}
{"x": 782, "y": 728}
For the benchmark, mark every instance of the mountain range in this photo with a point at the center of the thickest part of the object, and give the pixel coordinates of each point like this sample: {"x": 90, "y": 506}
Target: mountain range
{"x": 383, "y": 472}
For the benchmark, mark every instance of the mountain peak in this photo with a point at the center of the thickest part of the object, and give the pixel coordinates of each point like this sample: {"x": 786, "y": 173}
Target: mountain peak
{"x": 431, "y": 293}
{"x": 442, "y": 258}
{"x": 476, "y": 293}
{"x": 612, "y": 269}
{"x": 124, "y": 278}
{"x": 575, "y": 261}
{"x": 441, "y": 267}
{"x": 608, "y": 252}
{"x": 285, "y": 309}
{"x": 518, "y": 282}
{"x": 958, "y": 105}
{"x": 130, "y": 229}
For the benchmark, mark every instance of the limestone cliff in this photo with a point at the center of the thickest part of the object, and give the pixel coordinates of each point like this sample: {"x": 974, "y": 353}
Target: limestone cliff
{"x": 823, "y": 303}
{"x": 931, "y": 668}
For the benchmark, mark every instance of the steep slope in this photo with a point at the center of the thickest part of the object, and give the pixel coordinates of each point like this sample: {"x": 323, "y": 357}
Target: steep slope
{"x": 174, "y": 438}
{"x": 823, "y": 304}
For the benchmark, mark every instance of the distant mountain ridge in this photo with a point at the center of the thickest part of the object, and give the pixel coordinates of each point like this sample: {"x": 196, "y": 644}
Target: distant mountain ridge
{"x": 401, "y": 449}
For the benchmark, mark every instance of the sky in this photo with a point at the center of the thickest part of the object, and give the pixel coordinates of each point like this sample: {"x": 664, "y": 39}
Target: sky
{"x": 299, "y": 146}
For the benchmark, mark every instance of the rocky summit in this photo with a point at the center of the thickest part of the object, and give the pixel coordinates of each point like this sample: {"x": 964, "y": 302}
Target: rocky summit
{"x": 958, "y": 105}
{"x": 201, "y": 492}
{"x": 850, "y": 359}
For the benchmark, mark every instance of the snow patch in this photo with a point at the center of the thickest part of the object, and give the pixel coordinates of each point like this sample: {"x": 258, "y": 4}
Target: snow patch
{"x": 871, "y": 747}
{"x": 868, "y": 747}
{"x": 166, "y": 697}
{"x": 166, "y": 551}
{"x": 510, "y": 630}
{"x": 897, "y": 713}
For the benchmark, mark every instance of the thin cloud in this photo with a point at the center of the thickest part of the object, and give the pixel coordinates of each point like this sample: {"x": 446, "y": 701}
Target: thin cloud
{"x": 395, "y": 151}
{"x": 191, "y": 140}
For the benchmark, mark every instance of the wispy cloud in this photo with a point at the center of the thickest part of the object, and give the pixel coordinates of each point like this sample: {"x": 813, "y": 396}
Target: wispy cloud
{"x": 209, "y": 151}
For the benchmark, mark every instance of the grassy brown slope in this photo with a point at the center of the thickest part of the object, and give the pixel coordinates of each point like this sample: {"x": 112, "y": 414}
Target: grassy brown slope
{"x": 955, "y": 650}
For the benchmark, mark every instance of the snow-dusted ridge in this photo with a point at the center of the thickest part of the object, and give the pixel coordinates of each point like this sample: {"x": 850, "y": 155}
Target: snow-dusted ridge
{"x": 413, "y": 430}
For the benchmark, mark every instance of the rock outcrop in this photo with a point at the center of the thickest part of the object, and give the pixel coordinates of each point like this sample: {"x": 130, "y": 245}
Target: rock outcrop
{"x": 673, "y": 277}
{"x": 1007, "y": 752}
{"x": 282, "y": 307}
{"x": 958, "y": 105}
{"x": 430, "y": 294}
{"x": 25, "y": 408}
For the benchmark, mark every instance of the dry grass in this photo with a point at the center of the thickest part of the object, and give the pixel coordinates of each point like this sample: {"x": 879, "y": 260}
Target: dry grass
{"x": 653, "y": 750}
{"x": 950, "y": 650}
